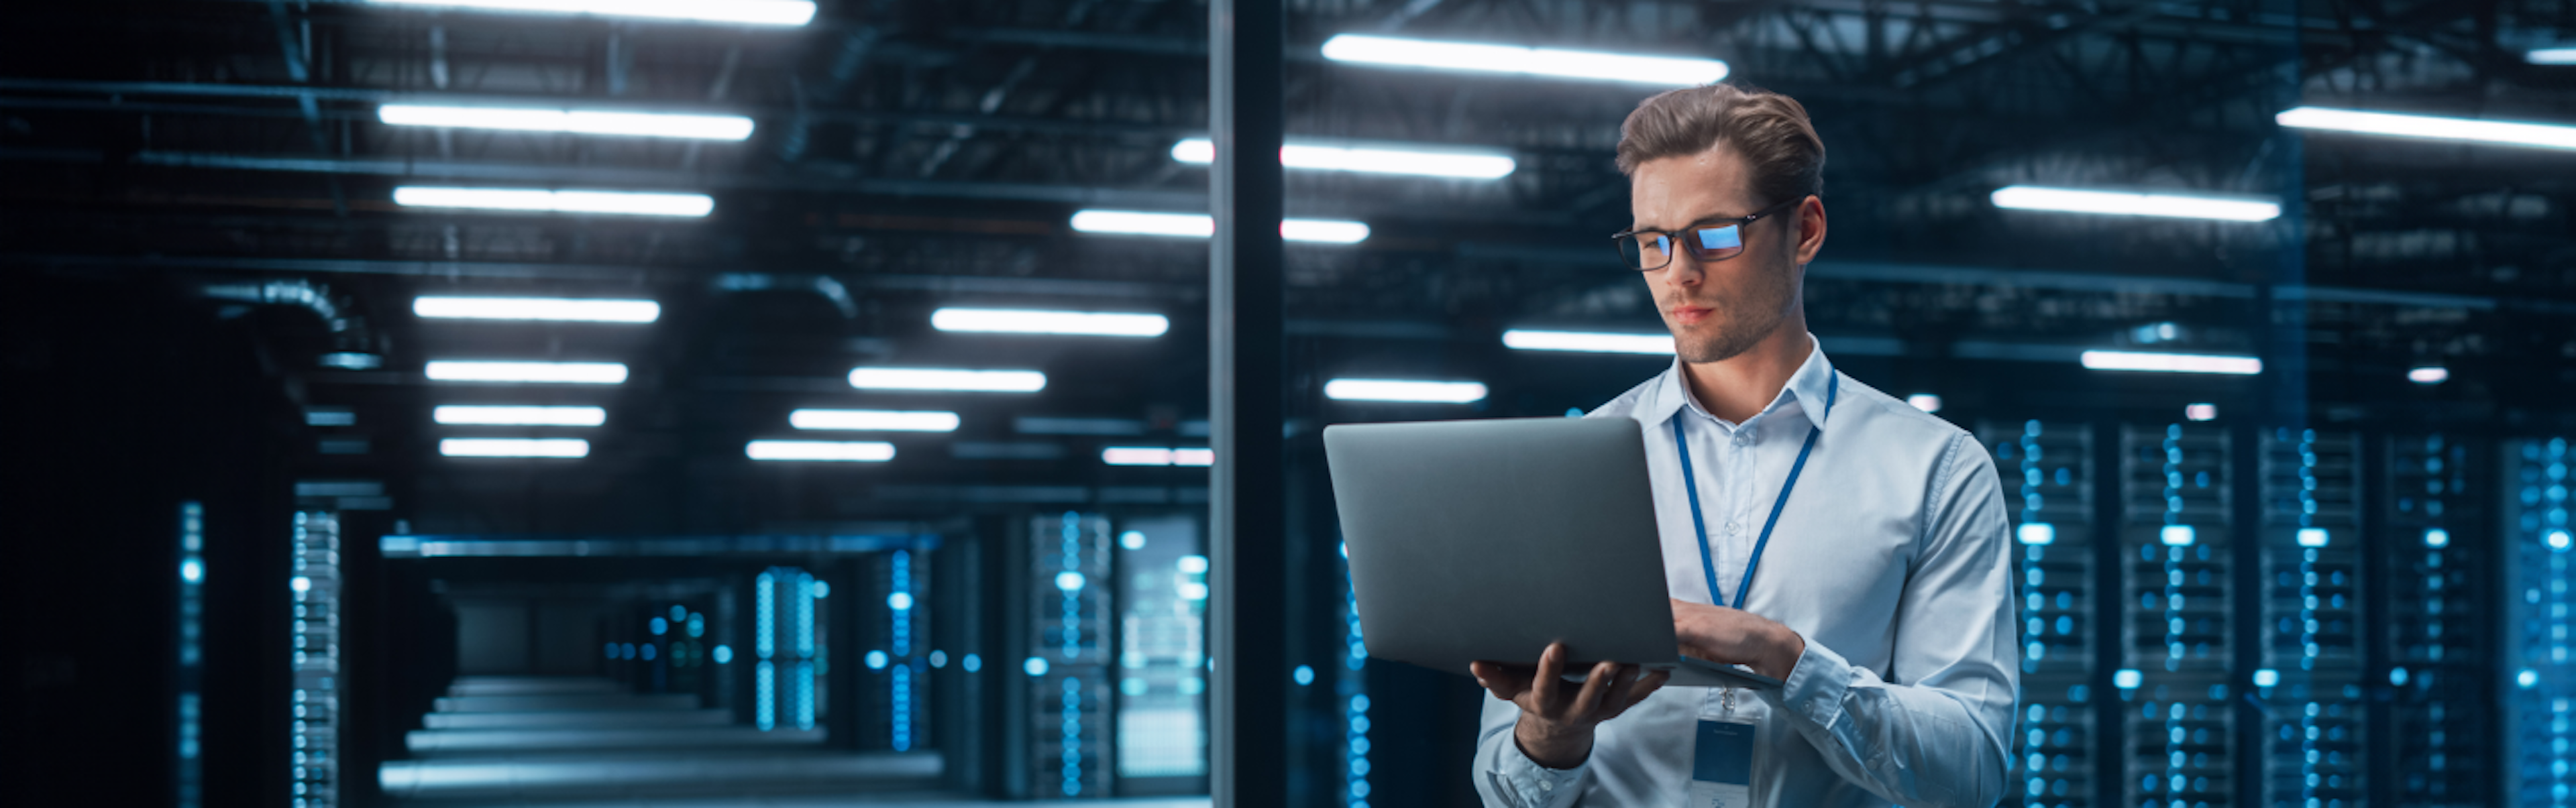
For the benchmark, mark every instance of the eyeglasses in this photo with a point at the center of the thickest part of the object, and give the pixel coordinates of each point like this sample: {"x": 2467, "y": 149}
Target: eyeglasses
{"x": 1648, "y": 250}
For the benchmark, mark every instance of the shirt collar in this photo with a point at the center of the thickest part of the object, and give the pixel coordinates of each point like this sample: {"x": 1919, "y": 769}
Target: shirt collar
{"x": 1808, "y": 386}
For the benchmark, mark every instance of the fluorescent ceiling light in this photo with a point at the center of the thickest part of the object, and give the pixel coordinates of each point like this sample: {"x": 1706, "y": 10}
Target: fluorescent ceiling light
{"x": 2200, "y": 412}
{"x": 1156, "y": 456}
{"x": 2172, "y": 363}
{"x": 636, "y": 203}
{"x": 823, "y": 450}
{"x": 514, "y": 447}
{"x": 584, "y": 122}
{"x": 352, "y": 360}
{"x": 519, "y": 416}
{"x": 1368, "y": 160}
{"x": 747, "y": 12}
{"x": 1589, "y": 342}
{"x": 2434, "y": 374}
{"x": 529, "y": 372}
{"x": 972, "y": 381}
{"x": 2171, "y": 206}
{"x": 2550, "y": 56}
{"x": 2426, "y": 126}
{"x": 1482, "y": 58}
{"x": 1200, "y": 225}
{"x": 1028, "y": 321}
{"x": 874, "y": 420}
{"x": 1404, "y": 390}
{"x": 537, "y": 308}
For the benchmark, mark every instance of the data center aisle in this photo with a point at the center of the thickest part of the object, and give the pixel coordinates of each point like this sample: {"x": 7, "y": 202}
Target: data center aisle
{"x": 510, "y": 741}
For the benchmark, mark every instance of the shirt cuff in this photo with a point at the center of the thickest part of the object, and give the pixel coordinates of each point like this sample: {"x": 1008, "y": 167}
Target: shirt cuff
{"x": 1534, "y": 784}
{"x": 1816, "y": 685}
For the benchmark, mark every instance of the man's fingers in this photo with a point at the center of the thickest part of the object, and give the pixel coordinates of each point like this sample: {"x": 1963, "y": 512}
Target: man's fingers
{"x": 1504, "y": 681}
{"x": 1644, "y": 686}
{"x": 1548, "y": 684}
{"x": 1596, "y": 688}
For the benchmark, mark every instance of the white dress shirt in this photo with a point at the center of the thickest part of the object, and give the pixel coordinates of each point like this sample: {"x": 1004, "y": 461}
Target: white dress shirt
{"x": 1892, "y": 560}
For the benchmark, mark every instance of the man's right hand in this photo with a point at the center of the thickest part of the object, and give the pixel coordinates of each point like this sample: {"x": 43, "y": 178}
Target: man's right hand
{"x": 1557, "y": 718}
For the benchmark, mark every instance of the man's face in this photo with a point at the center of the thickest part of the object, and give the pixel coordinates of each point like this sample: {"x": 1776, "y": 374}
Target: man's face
{"x": 1720, "y": 309}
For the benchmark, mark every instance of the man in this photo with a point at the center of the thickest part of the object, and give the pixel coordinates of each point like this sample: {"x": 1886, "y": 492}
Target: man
{"x": 1814, "y": 530}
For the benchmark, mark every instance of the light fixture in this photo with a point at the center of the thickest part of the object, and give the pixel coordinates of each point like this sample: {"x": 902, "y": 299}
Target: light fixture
{"x": 519, "y": 416}
{"x": 2200, "y": 412}
{"x": 1156, "y": 456}
{"x": 583, "y": 310}
{"x": 2037, "y": 533}
{"x": 746, "y": 12}
{"x": 1200, "y": 225}
{"x": 1030, "y": 321}
{"x": 352, "y": 360}
{"x": 2429, "y": 374}
{"x": 1483, "y": 58}
{"x": 2127, "y": 679}
{"x": 2313, "y": 537}
{"x": 2437, "y": 538}
{"x": 514, "y": 447}
{"x": 1408, "y": 160}
{"x": 2266, "y": 677}
{"x": 2118, "y": 203}
{"x": 2177, "y": 535}
{"x": 1926, "y": 402}
{"x": 874, "y": 420}
{"x": 1588, "y": 342}
{"x": 583, "y": 122}
{"x": 2172, "y": 363}
{"x": 528, "y": 372}
{"x": 1404, "y": 390}
{"x": 539, "y": 200}
{"x": 2547, "y": 136}
{"x": 2550, "y": 56}
{"x": 971, "y": 381}
{"x": 820, "y": 450}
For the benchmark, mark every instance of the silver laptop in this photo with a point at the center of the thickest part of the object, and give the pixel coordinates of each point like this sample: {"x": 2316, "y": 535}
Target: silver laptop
{"x": 1487, "y": 540}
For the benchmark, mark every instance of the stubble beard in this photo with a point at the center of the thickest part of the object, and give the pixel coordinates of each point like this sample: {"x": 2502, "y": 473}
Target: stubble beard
{"x": 1739, "y": 324}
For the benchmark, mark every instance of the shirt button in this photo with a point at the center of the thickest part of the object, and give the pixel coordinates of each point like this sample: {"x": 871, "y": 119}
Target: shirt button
{"x": 1546, "y": 785}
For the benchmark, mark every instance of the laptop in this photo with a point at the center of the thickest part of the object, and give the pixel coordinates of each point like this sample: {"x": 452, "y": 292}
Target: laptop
{"x": 1488, "y": 540}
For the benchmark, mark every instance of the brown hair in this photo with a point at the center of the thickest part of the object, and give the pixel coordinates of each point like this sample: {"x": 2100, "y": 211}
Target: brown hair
{"x": 1769, "y": 130}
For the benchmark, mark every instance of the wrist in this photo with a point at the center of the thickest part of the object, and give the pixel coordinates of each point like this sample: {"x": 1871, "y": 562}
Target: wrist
{"x": 1785, "y": 649}
{"x": 1551, "y": 745}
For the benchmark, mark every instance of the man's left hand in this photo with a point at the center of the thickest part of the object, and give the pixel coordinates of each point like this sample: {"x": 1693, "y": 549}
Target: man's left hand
{"x": 1729, "y": 636}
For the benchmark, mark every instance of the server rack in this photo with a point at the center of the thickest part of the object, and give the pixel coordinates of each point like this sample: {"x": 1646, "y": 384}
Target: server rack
{"x": 2047, "y": 474}
{"x": 1068, "y": 659}
{"x": 2438, "y": 659}
{"x": 2541, "y": 694}
{"x": 895, "y": 626}
{"x": 2178, "y": 537}
{"x": 2310, "y": 684}
{"x": 315, "y": 588}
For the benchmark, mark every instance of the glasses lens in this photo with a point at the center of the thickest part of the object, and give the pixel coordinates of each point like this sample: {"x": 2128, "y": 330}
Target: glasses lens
{"x": 1717, "y": 242}
{"x": 1646, "y": 250}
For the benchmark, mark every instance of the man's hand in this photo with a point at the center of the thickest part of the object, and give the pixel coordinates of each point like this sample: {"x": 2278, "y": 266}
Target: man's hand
{"x": 1728, "y": 636}
{"x": 1557, "y": 718}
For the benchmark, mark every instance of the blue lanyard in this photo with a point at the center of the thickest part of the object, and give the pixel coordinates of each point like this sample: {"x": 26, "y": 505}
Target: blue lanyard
{"x": 1707, "y": 564}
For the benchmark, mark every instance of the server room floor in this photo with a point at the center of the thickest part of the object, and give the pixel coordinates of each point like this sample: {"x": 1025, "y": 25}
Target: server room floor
{"x": 583, "y": 743}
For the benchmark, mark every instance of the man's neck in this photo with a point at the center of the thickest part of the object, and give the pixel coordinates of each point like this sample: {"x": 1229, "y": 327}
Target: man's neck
{"x": 1738, "y": 387}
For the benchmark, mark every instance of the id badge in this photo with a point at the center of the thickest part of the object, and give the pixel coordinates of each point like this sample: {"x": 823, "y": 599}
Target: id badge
{"x": 1722, "y": 765}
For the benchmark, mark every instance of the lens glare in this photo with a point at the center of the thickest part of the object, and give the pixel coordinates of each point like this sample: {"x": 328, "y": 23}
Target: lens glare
{"x": 1712, "y": 239}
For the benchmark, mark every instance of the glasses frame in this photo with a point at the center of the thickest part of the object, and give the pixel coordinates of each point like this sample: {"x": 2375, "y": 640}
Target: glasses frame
{"x": 1703, "y": 256}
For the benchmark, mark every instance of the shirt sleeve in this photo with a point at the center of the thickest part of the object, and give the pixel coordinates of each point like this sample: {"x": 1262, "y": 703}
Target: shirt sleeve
{"x": 1932, "y": 734}
{"x": 1507, "y": 778}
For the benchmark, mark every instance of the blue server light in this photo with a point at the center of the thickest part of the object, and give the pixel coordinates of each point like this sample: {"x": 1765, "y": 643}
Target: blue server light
{"x": 189, "y": 785}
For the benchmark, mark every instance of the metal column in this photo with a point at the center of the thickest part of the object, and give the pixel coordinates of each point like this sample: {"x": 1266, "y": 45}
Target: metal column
{"x": 1248, "y": 717}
